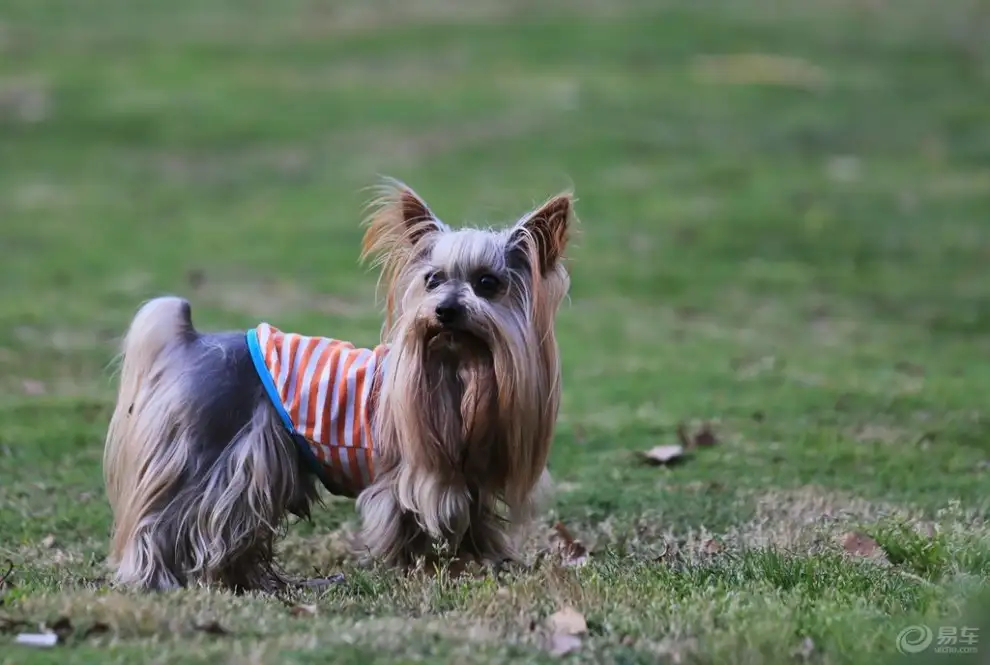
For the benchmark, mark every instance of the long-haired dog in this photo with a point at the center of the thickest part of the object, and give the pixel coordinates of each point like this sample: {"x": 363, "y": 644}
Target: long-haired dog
{"x": 442, "y": 432}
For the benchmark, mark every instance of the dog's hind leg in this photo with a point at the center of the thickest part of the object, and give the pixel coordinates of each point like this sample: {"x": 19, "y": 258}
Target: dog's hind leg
{"x": 226, "y": 521}
{"x": 244, "y": 473}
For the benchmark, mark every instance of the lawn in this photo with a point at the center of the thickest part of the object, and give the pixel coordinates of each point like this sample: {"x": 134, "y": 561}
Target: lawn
{"x": 785, "y": 228}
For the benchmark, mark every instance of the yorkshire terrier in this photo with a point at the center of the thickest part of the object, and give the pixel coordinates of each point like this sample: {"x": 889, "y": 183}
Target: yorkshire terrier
{"x": 441, "y": 432}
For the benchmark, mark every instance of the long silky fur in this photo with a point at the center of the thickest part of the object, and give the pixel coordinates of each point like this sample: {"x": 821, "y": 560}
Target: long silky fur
{"x": 199, "y": 473}
{"x": 462, "y": 436}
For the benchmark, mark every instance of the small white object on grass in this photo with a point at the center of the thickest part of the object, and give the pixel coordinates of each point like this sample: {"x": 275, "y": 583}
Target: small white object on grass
{"x": 37, "y": 639}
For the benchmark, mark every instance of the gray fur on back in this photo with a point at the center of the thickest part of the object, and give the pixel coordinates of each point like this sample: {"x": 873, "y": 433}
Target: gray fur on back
{"x": 224, "y": 390}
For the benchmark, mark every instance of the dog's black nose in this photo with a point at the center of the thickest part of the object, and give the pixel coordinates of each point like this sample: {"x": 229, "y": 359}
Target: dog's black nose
{"x": 448, "y": 312}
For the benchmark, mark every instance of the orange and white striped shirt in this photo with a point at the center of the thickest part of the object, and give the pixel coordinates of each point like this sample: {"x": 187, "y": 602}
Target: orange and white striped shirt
{"x": 321, "y": 388}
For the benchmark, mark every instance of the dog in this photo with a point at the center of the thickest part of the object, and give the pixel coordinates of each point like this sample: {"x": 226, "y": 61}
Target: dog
{"x": 441, "y": 432}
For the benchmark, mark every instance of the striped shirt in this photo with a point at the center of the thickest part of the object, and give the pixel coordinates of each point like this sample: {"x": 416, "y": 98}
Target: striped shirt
{"x": 321, "y": 388}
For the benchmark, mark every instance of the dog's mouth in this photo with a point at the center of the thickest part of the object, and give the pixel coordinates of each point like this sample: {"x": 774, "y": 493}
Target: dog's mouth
{"x": 455, "y": 339}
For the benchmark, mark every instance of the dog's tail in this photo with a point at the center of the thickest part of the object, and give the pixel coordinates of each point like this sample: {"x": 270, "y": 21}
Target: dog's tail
{"x": 136, "y": 472}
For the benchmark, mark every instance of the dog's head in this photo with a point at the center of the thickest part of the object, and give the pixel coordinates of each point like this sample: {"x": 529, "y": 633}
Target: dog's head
{"x": 471, "y": 290}
{"x": 474, "y": 371}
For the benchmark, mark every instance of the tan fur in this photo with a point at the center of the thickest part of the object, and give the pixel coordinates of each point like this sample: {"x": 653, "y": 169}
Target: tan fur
{"x": 137, "y": 471}
{"x": 462, "y": 418}
{"x": 216, "y": 528}
{"x": 463, "y": 433}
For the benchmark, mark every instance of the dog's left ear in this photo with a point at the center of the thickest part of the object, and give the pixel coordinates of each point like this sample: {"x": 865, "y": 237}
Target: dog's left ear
{"x": 546, "y": 230}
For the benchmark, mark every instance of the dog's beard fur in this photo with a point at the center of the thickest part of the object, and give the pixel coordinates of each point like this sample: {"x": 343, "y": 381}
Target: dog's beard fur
{"x": 467, "y": 413}
{"x": 201, "y": 474}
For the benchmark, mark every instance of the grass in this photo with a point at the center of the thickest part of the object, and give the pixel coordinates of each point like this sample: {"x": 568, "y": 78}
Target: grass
{"x": 784, "y": 211}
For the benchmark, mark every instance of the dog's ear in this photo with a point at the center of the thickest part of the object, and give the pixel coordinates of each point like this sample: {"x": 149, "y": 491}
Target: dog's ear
{"x": 416, "y": 216}
{"x": 544, "y": 232}
{"x": 399, "y": 220}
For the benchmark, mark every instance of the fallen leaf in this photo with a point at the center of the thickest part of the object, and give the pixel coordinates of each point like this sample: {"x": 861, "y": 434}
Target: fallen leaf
{"x": 32, "y": 387}
{"x": 705, "y": 437}
{"x": 663, "y": 454}
{"x": 213, "y": 628}
{"x": 37, "y": 639}
{"x": 712, "y": 546}
{"x": 563, "y": 644}
{"x": 564, "y": 627}
{"x": 303, "y": 610}
{"x": 567, "y": 621}
{"x": 859, "y": 544}
{"x": 48, "y": 541}
{"x": 572, "y": 552}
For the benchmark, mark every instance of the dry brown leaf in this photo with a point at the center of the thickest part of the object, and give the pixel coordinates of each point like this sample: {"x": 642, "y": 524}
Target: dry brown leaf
{"x": 567, "y": 621}
{"x": 705, "y": 437}
{"x": 32, "y": 387}
{"x": 563, "y": 644}
{"x": 303, "y": 610}
{"x": 712, "y": 546}
{"x": 572, "y": 552}
{"x": 859, "y": 544}
{"x": 663, "y": 454}
{"x": 564, "y": 627}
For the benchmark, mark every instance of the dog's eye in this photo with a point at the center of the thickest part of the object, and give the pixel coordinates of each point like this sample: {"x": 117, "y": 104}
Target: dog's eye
{"x": 434, "y": 279}
{"x": 487, "y": 285}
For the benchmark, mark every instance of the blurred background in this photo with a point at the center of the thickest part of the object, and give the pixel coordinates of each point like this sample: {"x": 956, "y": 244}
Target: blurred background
{"x": 781, "y": 202}
{"x": 785, "y": 231}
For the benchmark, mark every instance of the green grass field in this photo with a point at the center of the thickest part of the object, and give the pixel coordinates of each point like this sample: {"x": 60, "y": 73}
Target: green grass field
{"x": 785, "y": 213}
